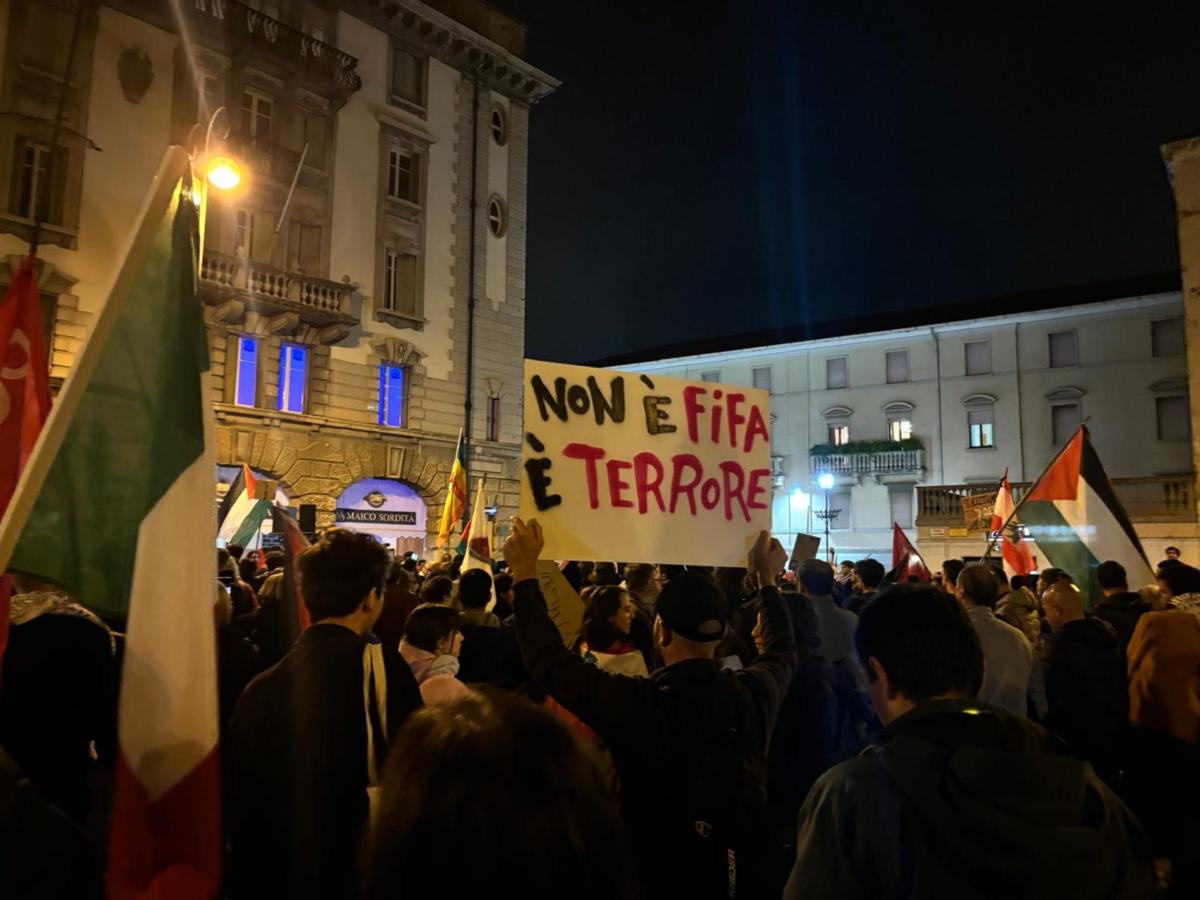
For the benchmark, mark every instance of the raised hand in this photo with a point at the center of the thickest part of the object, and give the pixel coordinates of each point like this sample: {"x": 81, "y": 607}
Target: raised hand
{"x": 523, "y": 547}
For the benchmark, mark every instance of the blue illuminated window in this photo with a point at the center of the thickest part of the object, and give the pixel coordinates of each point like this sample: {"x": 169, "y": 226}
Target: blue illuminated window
{"x": 246, "y": 389}
{"x": 391, "y": 396}
{"x": 293, "y": 365}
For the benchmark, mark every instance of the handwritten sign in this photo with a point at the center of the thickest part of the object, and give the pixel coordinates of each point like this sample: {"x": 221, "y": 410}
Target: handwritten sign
{"x": 805, "y": 548}
{"x": 563, "y": 604}
{"x": 641, "y": 468}
{"x": 977, "y": 511}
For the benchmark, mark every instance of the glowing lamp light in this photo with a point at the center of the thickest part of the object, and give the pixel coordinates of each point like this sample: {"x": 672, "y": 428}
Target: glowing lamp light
{"x": 825, "y": 481}
{"x": 799, "y": 500}
{"x": 223, "y": 173}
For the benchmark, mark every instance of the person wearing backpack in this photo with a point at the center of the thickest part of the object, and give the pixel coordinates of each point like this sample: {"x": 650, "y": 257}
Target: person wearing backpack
{"x": 690, "y": 741}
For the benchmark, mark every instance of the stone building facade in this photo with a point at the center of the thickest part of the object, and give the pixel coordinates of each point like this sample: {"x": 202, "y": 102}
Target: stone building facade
{"x": 364, "y": 285}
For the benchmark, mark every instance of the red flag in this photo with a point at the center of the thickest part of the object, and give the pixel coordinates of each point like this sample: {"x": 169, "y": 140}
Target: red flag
{"x": 1015, "y": 552}
{"x": 24, "y": 393}
{"x": 907, "y": 562}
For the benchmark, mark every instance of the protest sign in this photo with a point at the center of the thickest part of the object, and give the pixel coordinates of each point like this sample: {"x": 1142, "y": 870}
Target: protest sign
{"x": 563, "y": 604}
{"x": 977, "y": 511}
{"x": 641, "y": 468}
{"x": 805, "y": 548}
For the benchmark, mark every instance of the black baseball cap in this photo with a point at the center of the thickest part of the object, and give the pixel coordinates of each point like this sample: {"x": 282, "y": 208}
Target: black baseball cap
{"x": 692, "y": 606}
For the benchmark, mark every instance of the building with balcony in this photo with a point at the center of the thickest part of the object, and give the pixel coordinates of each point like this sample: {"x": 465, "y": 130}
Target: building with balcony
{"x": 908, "y": 422}
{"x": 364, "y": 286}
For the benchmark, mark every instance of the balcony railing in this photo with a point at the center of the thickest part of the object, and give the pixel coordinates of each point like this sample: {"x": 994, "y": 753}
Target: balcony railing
{"x": 328, "y": 300}
{"x": 1159, "y": 498}
{"x": 887, "y": 462}
{"x": 246, "y": 26}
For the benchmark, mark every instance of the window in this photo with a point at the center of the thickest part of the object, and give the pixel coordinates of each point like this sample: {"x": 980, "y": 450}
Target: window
{"x": 499, "y": 125}
{"x": 408, "y": 77}
{"x": 400, "y": 282}
{"x": 245, "y": 392}
{"x": 252, "y": 234}
{"x": 314, "y": 136}
{"x": 897, "y": 366}
{"x": 497, "y": 217}
{"x": 1166, "y": 337}
{"x": 1064, "y": 350}
{"x": 900, "y": 502}
{"x": 713, "y": 377}
{"x": 402, "y": 175}
{"x": 837, "y": 502}
{"x": 836, "y": 373}
{"x": 293, "y": 364}
{"x": 1065, "y": 419}
{"x": 210, "y": 96}
{"x": 391, "y": 395}
{"x": 762, "y": 377}
{"x": 256, "y": 115}
{"x": 1173, "y": 418}
{"x": 304, "y": 248}
{"x": 899, "y": 429}
{"x": 839, "y": 432}
{"x": 980, "y": 427}
{"x": 30, "y": 197}
{"x": 493, "y": 419}
{"x": 979, "y": 357}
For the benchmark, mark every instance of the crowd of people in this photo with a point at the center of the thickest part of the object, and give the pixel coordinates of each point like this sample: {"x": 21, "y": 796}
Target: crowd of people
{"x": 738, "y": 732}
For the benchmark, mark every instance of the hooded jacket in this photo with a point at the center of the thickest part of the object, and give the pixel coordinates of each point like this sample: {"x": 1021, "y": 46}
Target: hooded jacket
{"x": 964, "y": 800}
{"x": 1122, "y": 612}
{"x": 1019, "y": 609}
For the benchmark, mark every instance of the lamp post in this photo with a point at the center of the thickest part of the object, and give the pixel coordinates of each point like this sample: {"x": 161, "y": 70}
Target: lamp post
{"x": 221, "y": 171}
{"x": 827, "y": 515}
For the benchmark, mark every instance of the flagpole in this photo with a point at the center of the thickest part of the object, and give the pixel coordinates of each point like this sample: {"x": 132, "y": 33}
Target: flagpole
{"x": 146, "y": 229}
{"x": 1033, "y": 487}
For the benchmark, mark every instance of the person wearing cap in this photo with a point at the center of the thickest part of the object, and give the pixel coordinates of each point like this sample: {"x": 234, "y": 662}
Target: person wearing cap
{"x": 690, "y": 741}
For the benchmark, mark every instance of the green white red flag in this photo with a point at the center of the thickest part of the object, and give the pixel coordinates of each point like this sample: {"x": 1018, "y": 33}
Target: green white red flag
{"x": 116, "y": 506}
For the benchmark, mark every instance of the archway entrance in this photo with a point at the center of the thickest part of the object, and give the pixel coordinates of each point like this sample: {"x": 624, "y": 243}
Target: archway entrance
{"x": 390, "y": 510}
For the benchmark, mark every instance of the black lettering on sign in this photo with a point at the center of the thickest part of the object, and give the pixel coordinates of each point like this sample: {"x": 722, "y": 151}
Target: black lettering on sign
{"x": 614, "y": 406}
{"x": 539, "y": 483}
{"x": 577, "y": 399}
{"x": 656, "y": 419}
{"x": 538, "y": 446}
{"x": 580, "y": 399}
{"x": 556, "y": 401}
{"x": 647, "y": 382}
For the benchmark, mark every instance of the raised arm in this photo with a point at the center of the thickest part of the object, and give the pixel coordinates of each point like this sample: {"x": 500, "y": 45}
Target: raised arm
{"x": 770, "y": 674}
{"x": 607, "y": 703}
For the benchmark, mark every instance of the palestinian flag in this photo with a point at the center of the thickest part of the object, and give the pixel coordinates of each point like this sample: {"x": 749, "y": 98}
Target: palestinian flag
{"x": 1073, "y": 515}
{"x": 116, "y": 506}
{"x": 455, "y": 509}
{"x": 1013, "y": 550}
{"x": 294, "y": 543}
{"x": 241, "y": 514}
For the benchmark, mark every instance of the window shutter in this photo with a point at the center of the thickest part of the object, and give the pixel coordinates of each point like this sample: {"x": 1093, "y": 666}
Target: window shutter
{"x": 712, "y": 377}
{"x": 900, "y": 501}
{"x": 762, "y": 377}
{"x": 1065, "y": 420}
{"x": 1173, "y": 418}
{"x": 1166, "y": 337}
{"x": 15, "y": 182}
{"x": 897, "y": 367}
{"x": 836, "y": 373}
{"x": 979, "y": 357}
{"x": 1063, "y": 350}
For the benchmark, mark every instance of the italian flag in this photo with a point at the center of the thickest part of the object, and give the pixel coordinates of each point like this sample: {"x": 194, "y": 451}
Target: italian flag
{"x": 1074, "y": 516}
{"x": 116, "y": 506}
{"x": 241, "y": 514}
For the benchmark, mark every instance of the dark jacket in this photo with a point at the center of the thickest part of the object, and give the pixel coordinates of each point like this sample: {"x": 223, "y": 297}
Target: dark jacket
{"x": 57, "y": 697}
{"x": 298, "y": 766}
{"x": 397, "y": 604}
{"x": 1122, "y": 612}
{"x": 964, "y": 800}
{"x": 43, "y": 854}
{"x": 689, "y": 745}
{"x": 1087, "y": 696}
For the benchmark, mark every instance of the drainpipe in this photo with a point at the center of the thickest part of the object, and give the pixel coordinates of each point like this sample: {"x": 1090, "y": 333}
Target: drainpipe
{"x": 937, "y": 355}
{"x": 1020, "y": 416}
{"x": 472, "y": 300}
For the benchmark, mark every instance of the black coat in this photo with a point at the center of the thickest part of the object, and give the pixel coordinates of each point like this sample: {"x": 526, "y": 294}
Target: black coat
{"x": 298, "y": 761}
{"x": 1087, "y": 697}
{"x": 491, "y": 655}
{"x": 1122, "y": 612}
{"x": 689, "y": 743}
{"x": 964, "y": 800}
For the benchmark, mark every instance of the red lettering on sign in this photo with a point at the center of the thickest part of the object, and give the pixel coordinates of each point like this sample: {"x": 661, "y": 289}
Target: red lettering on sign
{"x": 735, "y": 482}
{"x": 735, "y": 417}
{"x": 678, "y": 487}
{"x": 710, "y": 493}
{"x": 616, "y": 485}
{"x": 692, "y": 409}
{"x": 757, "y": 427}
{"x": 757, "y": 486}
{"x": 644, "y": 465}
{"x": 589, "y": 455}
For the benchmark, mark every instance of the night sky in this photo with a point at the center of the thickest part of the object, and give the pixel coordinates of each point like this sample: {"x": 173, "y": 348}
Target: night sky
{"x": 723, "y": 168}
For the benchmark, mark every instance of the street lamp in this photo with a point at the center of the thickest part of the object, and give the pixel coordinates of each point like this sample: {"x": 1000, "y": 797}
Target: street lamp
{"x": 224, "y": 173}
{"x": 826, "y": 515}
